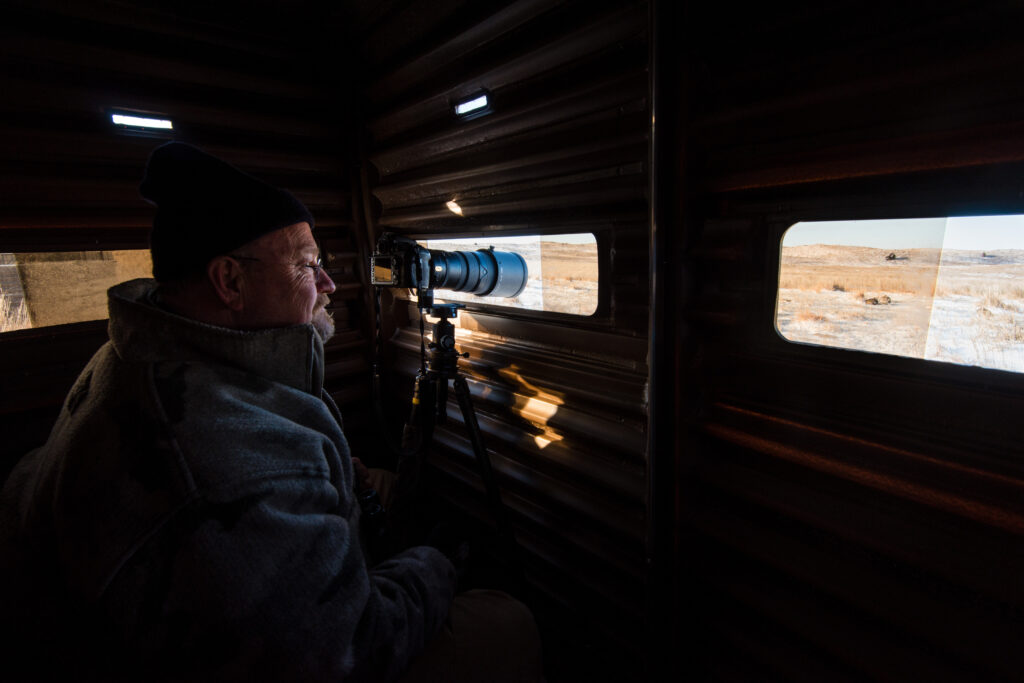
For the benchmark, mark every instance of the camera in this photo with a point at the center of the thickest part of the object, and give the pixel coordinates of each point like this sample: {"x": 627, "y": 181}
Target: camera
{"x": 402, "y": 262}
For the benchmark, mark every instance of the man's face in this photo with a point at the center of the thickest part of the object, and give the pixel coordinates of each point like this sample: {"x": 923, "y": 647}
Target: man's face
{"x": 281, "y": 286}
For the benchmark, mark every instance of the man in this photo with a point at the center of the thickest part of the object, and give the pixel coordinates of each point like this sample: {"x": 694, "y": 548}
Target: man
{"x": 193, "y": 513}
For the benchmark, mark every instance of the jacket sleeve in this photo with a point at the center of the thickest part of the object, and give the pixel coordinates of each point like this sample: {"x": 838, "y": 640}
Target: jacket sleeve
{"x": 273, "y": 585}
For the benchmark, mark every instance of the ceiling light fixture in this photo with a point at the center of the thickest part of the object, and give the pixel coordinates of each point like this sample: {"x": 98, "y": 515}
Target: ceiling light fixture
{"x": 476, "y": 105}
{"x": 132, "y": 121}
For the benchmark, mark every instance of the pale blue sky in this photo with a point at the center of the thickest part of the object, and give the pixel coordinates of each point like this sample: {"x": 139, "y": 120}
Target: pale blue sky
{"x": 985, "y": 232}
{"x": 972, "y": 233}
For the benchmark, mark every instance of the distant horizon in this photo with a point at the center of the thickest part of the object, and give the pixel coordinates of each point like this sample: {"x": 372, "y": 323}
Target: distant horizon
{"x": 966, "y": 233}
{"x": 857, "y": 246}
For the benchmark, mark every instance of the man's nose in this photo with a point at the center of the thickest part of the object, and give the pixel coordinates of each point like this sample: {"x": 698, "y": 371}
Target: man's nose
{"x": 325, "y": 284}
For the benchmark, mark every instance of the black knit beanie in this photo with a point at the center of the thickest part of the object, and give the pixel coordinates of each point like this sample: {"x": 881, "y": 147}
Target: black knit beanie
{"x": 206, "y": 207}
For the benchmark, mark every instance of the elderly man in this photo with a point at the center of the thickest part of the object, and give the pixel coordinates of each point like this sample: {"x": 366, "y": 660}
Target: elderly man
{"x": 193, "y": 513}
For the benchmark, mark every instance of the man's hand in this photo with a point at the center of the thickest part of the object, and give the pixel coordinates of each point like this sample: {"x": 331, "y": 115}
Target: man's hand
{"x": 454, "y": 544}
{"x": 362, "y": 475}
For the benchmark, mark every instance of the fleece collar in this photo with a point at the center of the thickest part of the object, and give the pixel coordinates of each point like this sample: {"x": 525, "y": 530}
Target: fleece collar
{"x": 143, "y": 332}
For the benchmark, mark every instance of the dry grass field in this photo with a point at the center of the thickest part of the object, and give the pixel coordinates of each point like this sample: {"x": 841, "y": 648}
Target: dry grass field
{"x": 964, "y": 307}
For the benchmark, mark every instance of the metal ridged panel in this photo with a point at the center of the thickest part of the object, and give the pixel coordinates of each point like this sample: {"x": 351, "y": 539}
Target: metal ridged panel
{"x": 857, "y": 516}
{"x": 843, "y": 516}
{"x": 561, "y": 399}
{"x": 871, "y": 558}
{"x": 850, "y": 91}
{"x": 864, "y": 510}
{"x": 69, "y": 180}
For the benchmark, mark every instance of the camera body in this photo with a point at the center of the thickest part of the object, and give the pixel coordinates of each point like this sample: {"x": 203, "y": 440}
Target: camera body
{"x": 402, "y": 262}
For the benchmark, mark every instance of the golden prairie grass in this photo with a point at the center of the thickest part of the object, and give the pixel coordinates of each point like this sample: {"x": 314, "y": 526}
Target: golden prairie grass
{"x": 994, "y": 300}
{"x": 569, "y": 261}
{"x": 858, "y": 279}
{"x": 990, "y": 293}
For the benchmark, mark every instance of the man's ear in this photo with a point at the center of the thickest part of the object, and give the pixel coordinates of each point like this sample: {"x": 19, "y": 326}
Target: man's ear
{"x": 227, "y": 278}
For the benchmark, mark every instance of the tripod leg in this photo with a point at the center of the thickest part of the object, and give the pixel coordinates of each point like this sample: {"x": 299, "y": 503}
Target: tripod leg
{"x": 487, "y": 475}
{"x": 441, "y": 403}
{"x": 404, "y": 507}
{"x": 412, "y": 433}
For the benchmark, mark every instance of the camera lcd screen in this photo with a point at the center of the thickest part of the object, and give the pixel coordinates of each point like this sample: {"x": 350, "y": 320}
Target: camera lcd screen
{"x": 383, "y": 274}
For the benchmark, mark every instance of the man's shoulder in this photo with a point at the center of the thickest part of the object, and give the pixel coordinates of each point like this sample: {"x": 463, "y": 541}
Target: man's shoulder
{"x": 233, "y": 425}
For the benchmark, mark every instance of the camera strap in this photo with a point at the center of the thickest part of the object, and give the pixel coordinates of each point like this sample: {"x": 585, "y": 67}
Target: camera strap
{"x": 423, "y": 346}
{"x": 379, "y": 342}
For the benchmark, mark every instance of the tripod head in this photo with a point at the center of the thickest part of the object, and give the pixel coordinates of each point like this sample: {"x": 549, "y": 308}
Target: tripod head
{"x": 444, "y": 311}
{"x": 443, "y": 358}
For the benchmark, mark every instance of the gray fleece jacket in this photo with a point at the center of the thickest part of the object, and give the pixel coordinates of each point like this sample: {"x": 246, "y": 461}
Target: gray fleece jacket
{"x": 192, "y": 515}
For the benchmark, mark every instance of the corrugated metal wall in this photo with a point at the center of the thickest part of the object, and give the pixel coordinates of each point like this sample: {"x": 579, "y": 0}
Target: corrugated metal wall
{"x": 843, "y": 516}
{"x": 830, "y": 515}
{"x": 249, "y": 86}
{"x": 565, "y": 150}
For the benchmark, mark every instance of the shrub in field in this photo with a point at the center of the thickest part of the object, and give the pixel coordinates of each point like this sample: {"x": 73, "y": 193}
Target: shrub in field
{"x": 992, "y": 298}
{"x": 13, "y": 317}
{"x": 1014, "y": 333}
{"x": 809, "y": 316}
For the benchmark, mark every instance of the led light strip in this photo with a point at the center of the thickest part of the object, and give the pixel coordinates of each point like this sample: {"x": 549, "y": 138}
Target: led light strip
{"x": 141, "y": 122}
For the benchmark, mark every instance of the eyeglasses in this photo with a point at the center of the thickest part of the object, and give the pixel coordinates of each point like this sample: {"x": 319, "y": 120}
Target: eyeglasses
{"x": 317, "y": 266}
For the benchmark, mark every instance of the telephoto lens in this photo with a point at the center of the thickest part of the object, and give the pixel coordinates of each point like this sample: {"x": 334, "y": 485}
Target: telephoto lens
{"x": 484, "y": 272}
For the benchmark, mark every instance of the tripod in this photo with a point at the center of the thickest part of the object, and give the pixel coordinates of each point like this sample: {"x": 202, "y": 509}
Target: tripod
{"x": 430, "y": 408}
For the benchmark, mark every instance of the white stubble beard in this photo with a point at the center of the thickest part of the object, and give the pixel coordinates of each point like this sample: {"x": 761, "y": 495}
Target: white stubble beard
{"x": 323, "y": 322}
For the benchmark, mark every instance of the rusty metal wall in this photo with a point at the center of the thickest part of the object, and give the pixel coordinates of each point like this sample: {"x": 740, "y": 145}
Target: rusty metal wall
{"x": 843, "y": 516}
{"x": 252, "y": 87}
{"x": 564, "y": 150}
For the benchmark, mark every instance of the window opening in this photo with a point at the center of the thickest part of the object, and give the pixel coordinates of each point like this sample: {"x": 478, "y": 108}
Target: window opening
{"x": 54, "y": 288}
{"x": 941, "y": 289}
{"x": 562, "y": 277}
